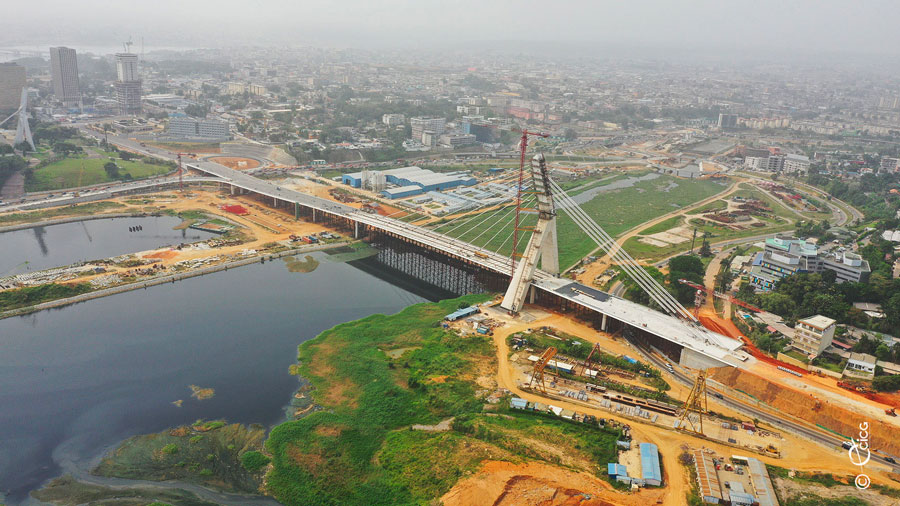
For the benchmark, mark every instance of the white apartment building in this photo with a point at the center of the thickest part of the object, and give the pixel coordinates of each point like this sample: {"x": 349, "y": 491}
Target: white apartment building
{"x": 421, "y": 125}
{"x": 812, "y": 335}
{"x": 796, "y": 164}
{"x": 392, "y": 120}
{"x": 756, "y": 162}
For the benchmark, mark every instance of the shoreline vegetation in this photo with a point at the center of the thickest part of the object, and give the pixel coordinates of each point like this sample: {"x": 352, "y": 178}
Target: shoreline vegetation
{"x": 373, "y": 381}
{"x": 391, "y": 409}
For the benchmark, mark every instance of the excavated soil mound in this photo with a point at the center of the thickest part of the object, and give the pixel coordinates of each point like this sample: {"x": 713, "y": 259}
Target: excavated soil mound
{"x": 534, "y": 483}
{"x": 803, "y": 406}
{"x": 236, "y": 162}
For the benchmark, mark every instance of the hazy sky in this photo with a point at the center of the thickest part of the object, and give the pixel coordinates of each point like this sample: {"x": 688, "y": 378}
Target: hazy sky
{"x": 853, "y": 26}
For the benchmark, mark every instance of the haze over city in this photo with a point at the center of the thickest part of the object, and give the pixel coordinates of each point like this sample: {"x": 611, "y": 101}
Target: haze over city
{"x": 782, "y": 28}
{"x": 406, "y": 253}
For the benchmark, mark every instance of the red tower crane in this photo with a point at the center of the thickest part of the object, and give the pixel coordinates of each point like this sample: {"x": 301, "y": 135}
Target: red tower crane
{"x": 181, "y": 170}
{"x": 733, "y": 299}
{"x": 523, "y": 144}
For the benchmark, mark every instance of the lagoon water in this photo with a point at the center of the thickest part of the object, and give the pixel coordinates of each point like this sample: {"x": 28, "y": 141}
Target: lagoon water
{"x": 76, "y": 381}
{"x": 39, "y": 248}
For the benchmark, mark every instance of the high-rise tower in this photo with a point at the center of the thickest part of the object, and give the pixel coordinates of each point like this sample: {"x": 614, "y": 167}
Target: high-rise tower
{"x": 64, "y": 69}
{"x": 128, "y": 85}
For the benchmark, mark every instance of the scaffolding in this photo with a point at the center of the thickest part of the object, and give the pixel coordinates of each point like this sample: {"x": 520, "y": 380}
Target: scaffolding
{"x": 696, "y": 403}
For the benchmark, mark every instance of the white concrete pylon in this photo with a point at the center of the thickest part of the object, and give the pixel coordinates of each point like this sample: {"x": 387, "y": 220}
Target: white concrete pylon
{"x": 23, "y": 130}
{"x": 542, "y": 241}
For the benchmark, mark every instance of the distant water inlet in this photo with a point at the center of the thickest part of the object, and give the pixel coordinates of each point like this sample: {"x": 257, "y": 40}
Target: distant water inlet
{"x": 40, "y": 248}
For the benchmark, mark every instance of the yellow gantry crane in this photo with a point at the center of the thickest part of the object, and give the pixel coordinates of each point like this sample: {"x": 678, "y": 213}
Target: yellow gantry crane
{"x": 537, "y": 374}
{"x": 696, "y": 403}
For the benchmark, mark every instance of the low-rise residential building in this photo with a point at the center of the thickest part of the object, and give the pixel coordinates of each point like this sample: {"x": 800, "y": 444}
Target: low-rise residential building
{"x": 455, "y": 140}
{"x": 812, "y": 335}
{"x": 393, "y": 119}
{"x": 796, "y": 163}
{"x": 861, "y": 365}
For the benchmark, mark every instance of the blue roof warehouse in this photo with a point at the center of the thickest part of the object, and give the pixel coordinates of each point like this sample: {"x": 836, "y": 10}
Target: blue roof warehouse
{"x": 408, "y": 177}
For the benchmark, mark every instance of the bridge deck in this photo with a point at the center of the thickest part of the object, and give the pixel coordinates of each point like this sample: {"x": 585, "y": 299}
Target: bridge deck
{"x": 694, "y": 337}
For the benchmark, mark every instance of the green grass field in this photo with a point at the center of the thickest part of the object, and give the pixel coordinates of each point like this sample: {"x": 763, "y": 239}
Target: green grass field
{"x": 66, "y": 173}
{"x": 662, "y": 226}
{"x": 616, "y": 211}
{"x": 375, "y": 377}
{"x": 620, "y": 210}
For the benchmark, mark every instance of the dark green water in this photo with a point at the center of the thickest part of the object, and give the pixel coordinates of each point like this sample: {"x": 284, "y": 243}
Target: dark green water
{"x": 77, "y": 380}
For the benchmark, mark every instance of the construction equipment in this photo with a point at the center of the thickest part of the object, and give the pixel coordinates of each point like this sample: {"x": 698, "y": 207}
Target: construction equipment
{"x": 542, "y": 246}
{"x": 696, "y": 403}
{"x": 523, "y": 144}
{"x": 590, "y": 360}
{"x": 77, "y": 192}
{"x": 537, "y": 375}
{"x": 891, "y": 412}
{"x": 733, "y": 299}
{"x": 181, "y": 170}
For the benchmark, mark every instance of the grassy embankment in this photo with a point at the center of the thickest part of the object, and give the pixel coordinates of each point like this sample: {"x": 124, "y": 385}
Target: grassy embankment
{"x": 373, "y": 379}
{"x": 207, "y": 453}
{"x": 826, "y": 489}
{"x": 67, "y": 173}
{"x": 31, "y": 295}
{"x": 616, "y": 211}
{"x": 93, "y": 208}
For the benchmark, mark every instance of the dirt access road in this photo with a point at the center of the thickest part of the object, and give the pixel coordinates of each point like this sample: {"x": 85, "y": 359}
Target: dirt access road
{"x": 799, "y": 454}
{"x": 597, "y": 267}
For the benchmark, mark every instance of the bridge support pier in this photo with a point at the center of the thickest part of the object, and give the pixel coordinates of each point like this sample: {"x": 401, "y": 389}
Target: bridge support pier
{"x": 232, "y": 189}
{"x": 356, "y": 230}
{"x": 274, "y": 202}
{"x": 603, "y": 323}
{"x": 296, "y": 210}
{"x": 313, "y": 215}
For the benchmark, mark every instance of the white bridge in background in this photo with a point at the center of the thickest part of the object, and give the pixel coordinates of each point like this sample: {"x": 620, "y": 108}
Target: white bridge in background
{"x": 701, "y": 348}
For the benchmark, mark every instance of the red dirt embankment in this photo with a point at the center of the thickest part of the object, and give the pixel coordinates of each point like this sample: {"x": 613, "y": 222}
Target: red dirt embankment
{"x": 803, "y": 406}
{"x": 728, "y": 328}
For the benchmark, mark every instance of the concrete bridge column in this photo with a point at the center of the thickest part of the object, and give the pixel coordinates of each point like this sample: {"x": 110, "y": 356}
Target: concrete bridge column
{"x": 603, "y": 323}
{"x": 356, "y": 230}
{"x": 531, "y": 295}
{"x": 274, "y": 202}
{"x": 314, "y": 215}
{"x": 232, "y": 189}
{"x": 296, "y": 210}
